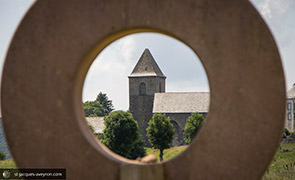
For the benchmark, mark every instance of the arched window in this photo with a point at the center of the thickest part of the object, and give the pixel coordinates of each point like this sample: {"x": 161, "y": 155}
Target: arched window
{"x": 160, "y": 88}
{"x": 177, "y": 137}
{"x": 142, "y": 89}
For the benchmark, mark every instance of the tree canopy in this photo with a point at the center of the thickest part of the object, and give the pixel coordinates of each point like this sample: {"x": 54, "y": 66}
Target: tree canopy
{"x": 100, "y": 107}
{"x": 93, "y": 109}
{"x": 107, "y": 105}
{"x": 160, "y": 132}
{"x": 193, "y": 124}
{"x": 121, "y": 135}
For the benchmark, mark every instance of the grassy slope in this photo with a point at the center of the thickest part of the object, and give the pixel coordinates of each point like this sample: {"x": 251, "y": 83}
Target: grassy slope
{"x": 8, "y": 163}
{"x": 276, "y": 171}
{"x": 168, "y": 153}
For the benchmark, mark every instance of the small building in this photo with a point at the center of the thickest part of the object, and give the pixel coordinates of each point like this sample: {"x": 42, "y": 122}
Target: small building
{"x": 290, "y": 112}
{"x": 97, "y": 123}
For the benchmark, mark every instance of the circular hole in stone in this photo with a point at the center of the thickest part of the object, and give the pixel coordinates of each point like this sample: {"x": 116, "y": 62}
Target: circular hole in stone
{"x": 137, "y": 83}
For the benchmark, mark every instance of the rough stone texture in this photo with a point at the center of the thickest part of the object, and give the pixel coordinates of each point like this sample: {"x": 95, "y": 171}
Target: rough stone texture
{"x": 178, "y": 120}
{"x": 56, "y": 42}
{"x": 290, "y": 110}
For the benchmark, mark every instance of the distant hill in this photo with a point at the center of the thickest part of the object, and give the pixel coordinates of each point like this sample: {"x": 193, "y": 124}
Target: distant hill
{"x": 3, "y": 144}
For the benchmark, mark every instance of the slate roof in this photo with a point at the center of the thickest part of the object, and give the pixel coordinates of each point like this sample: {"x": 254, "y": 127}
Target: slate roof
{"x": 291, "y": 92}
{"x": 181, "y": 102}
{"x": 97, "y": 123}
{"x": 146, "y": 66}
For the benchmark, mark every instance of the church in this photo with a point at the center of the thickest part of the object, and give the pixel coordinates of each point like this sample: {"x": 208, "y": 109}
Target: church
{"x": 147, "y": 95}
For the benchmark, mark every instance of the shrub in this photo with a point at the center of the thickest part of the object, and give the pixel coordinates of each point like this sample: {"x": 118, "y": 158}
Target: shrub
{"x": 121, "y": 135}
{"x": 2, "y": 155}
{"x": 192, "y": 126}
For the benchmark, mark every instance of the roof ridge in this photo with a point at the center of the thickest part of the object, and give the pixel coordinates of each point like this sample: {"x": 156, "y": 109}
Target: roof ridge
{"x": 180, "y": 92}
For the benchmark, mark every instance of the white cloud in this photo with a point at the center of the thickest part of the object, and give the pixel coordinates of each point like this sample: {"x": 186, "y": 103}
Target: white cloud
{"x": 271, "y": 8}
{"x": 192, "y": 85}
{"x": 109, "y": 72}
{"x": 265, "y": 8}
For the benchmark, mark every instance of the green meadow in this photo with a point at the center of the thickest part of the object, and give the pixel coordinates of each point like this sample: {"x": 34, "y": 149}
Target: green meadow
{"x": 282, "y": 166}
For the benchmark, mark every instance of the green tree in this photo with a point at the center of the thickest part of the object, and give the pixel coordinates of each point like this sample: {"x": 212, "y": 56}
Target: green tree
{"x": 138, "y": 149}
{"x": 105, "y": 102}
{"x": 2, "y": 155}
{"x": 192, "y": 126}
{"x": 93, "y": 109}
{"x": 121, "y": 135}
{"x": 160, "y": 132}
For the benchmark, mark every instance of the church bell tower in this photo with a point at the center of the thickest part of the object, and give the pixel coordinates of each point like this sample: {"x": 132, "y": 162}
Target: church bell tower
{"x": 145, "y": 80}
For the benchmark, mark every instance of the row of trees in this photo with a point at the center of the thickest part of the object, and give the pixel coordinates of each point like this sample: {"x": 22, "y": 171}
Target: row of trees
{"x": 160, "y": 131}
{"x": 121, "y": 134}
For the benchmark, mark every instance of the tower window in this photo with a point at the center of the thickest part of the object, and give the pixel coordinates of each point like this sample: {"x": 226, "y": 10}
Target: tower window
{"x": 160, "y": 88}
{"x": 142, "y": 89}
{"x": 289, "y": 116}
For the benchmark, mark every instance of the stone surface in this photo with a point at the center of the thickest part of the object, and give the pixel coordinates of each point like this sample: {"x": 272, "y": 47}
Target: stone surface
{"x": 142, "y": 172}
{"x": 56, "y": 42}
{"x": 148, "y": 159}
{"x": 178, "y": 120}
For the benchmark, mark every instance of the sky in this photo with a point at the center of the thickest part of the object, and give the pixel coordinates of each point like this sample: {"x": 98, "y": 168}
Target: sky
{"x": 177, "y": 61}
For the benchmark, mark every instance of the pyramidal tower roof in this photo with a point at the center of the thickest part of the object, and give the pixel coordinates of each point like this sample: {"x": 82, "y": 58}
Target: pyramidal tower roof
{"x": 146, "y": 66}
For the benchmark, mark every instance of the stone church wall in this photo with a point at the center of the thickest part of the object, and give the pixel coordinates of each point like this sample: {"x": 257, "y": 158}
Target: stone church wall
{"x": 178, "y": 120}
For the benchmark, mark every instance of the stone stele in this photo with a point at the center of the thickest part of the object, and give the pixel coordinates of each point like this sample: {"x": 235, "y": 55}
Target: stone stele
{"x": 56, "y": 43}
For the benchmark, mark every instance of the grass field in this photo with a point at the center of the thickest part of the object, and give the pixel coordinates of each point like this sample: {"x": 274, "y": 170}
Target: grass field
{"x": 8, "y": 163}
{"x": 281, "y": 168}
{"x": 168, "y": 153}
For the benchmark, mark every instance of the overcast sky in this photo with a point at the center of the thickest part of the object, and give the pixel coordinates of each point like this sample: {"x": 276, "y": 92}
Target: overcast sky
{"x": 178, "y": 62}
